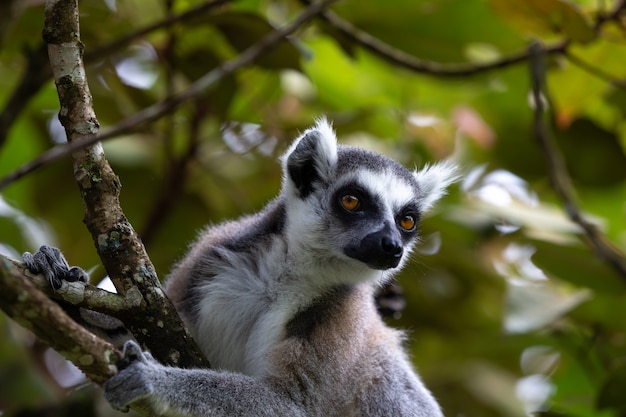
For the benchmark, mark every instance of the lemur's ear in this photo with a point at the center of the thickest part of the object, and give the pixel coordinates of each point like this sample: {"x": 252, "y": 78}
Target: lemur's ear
{"x": 433, "y": 181}
{"x": 311, "y": 158}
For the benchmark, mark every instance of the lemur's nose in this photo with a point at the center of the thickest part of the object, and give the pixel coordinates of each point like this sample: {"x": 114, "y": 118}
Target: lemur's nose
{"x": 391, "y": 246}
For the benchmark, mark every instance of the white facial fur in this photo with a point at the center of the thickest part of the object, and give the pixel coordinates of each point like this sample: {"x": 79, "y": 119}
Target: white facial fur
{"x": 310, "y": 226}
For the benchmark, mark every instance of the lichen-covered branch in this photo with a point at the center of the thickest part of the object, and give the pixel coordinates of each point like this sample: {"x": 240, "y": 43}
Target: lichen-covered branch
{"x": 26, "y": 304}
{"x": 80, "y": 294}
{"x": 151, "y": 318}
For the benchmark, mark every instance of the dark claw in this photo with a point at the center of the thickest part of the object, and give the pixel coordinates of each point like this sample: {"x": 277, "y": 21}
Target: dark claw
{"x": 77, "y": 274}
{"x": 51, "y": 263}
{"x": 31, "y": 265}
{"x": 132, "y": 353}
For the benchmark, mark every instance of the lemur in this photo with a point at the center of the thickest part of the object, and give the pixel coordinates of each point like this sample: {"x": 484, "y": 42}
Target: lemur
{"x": 281, "y": 302}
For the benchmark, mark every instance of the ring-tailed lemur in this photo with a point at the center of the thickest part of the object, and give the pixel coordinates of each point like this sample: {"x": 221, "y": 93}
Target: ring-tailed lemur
{"x": 281, "y": 302}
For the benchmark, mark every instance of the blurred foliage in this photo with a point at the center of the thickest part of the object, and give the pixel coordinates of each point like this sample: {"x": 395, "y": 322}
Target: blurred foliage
{"x": 509, "y": 310}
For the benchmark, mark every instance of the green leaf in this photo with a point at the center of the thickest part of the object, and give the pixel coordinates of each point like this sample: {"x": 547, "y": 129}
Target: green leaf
{"x": 573, "y": 21}
{"x": 197, "y": 61}
{"x": 435, "y": 30}
{"x": 594, "y": 155}
{"x": 611, "y": 394}
{"x": 244, "y": 29}
{"x": 541, "y": 17}
{"x": 577, "y": 265}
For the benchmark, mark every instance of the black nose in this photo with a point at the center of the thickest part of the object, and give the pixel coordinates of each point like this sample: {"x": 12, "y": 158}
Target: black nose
{"x": 381, "y": 249}
{"x": 391, "y": 246}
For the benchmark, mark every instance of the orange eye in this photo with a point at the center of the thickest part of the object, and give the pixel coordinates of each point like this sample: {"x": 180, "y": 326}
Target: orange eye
{"x": 407, "y": 222}
{"x": 350, "y": 202}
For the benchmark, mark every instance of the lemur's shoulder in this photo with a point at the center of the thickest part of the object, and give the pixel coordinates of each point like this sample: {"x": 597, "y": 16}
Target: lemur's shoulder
{"x": 246, "y": 234}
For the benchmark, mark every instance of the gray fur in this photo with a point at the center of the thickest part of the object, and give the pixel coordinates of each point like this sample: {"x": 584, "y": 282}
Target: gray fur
{"x": 281, "y": 302}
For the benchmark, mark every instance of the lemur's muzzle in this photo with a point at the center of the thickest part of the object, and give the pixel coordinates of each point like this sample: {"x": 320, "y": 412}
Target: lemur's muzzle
{"x": 382, "y": 249}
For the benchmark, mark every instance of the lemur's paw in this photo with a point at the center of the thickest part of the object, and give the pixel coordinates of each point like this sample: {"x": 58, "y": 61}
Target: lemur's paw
{"x": 137, "y": 370}
{"x": 51, "y": 263}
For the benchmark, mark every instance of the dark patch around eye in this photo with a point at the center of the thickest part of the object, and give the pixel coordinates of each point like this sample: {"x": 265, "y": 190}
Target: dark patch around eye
{"x": 368, "y": 205}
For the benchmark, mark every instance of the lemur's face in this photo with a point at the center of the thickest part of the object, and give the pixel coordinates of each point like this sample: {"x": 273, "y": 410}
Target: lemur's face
{"x": 347, "y": 203}
{"x": 374, "y": 217}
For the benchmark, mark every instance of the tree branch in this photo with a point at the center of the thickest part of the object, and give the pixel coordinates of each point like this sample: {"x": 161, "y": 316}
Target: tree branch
{"x": 78, "y": 293}
{"x": 175, "y": 168}
{"x": 612, "y": 15}
{"x": 34, "y": 310}
{"x": 151, "y": 318}
{"x": 171, "y": 103}
{"x": 175, "y": 178}
{"x": 557, "y": 171}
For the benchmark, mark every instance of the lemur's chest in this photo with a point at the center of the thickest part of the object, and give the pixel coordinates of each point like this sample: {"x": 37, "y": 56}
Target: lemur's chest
{"x": 239, "y": 319}
{"x": 253, "y": 303}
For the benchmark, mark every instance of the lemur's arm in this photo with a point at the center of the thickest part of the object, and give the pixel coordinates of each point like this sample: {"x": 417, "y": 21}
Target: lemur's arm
{"x": 194, "y": 392}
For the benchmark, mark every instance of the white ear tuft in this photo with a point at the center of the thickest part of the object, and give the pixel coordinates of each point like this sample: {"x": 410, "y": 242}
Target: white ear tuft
{"x": 311, "y": 158}
{"x": 433, "y": 181}
{"x": 329, "y": 137}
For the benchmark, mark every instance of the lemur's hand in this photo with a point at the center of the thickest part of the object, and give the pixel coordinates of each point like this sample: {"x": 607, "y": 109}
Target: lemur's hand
{"x": 135, "y": 378}
{"x": 51, "y": 263}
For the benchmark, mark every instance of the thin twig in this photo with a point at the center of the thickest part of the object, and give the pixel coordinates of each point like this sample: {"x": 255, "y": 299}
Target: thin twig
{"x": 38, "y": 71}
{"x": 157, "y": 110}
{"x": 413, "y": 63}
{"x": 175, "y": 179}
{"x": 74, "y": 293}
{"x": 174, "y": 168}
{"x": 36, "y": 74}
{"x": 557, "y": 170}
{"x": 613, "y": 15}
{"x": 193, "y": 13}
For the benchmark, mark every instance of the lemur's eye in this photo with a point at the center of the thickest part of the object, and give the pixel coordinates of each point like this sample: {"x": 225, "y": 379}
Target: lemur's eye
{"x": 407, "y": 222}
{"x": 350, "y": 202}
